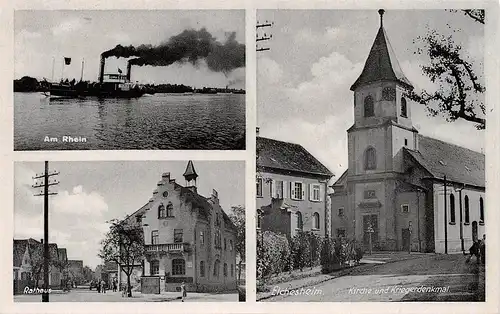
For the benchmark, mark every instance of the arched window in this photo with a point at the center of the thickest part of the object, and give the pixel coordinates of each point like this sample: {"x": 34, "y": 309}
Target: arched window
{"x": 154, "y": 268}
{"x": 370, "y": 159}
{"x": 404, "y": 109}
{"x": 299, "y": 220}
{"x": 202, "y": 269}
{"x": 316, "y": 221}
{"x": 170, "y": 210}
{"x": 467, "y": 217}
{"x": 225, "y": 269}
{"x": 161, "y": 211}
{"x": 178, "y": 267}
{"x": 216, "y": 268}
{"x": 481, "y": 210}
{"x": 369, "y": 106}
{"x": 452, "y": 208}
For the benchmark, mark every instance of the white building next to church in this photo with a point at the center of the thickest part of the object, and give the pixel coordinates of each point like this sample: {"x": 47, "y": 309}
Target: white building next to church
{"x": 413, "y": 191}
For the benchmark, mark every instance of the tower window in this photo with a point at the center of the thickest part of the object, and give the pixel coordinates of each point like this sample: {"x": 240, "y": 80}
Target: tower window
{"x": 404, "y": 112}
{"x": 406, "y": 142}
{"x": 467, "y": 216}
{"x": 481, "y": 210}
{"x": 452, "y": 209}
{"x": 370, "y": 159}
{"x": 369, "y": 110}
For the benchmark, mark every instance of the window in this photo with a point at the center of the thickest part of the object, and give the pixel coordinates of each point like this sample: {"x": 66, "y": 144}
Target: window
{"x": 161, "y": 211}
{"x": 154, "y": 268}
{"x": 225, "y": 244}
{"x": 232, "y": 270}
{"x": 370, "y": 159}
{"x": 216, "y": 268}
{"x": 316, "y": 221}
{"x": 299, "y": 220}
{"x": 452, "y": 209}
{"x": 297, "y": 191}
{"x": 217, "y": 239}
{"x": 231, "y": 245}
{"x": 481, "y": 210}
{"x": 178, "y": 267}
{"x": 170, "y": 210}
{"x": 202, "y": 238}
{"x": 370, "y": 194}
{"x": 341, "y": 233}
{"x": 259, "y": 219}
{"x": 202, "y": 269}
{"x": 314, "y": 192}
{"x": 154, "y": 237}
{"x": 280, "y": 192}
{"x": 259, "y": 187}
{"x": 405, "y": 208}
{"x": 467, "y": 217}
{"x": 369, "y": 106}
{"x": 341, "y": 212}
{"x": 406, "y": 142}
{"x": 403, "y": 108}
{"x": 178, "y": 235}
{"x": 225, "y": 270}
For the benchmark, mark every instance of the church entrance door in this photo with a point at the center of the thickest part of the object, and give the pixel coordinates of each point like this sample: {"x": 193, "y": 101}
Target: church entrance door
{"x": 370, "y": 220}
{"x": 405, "y": 235}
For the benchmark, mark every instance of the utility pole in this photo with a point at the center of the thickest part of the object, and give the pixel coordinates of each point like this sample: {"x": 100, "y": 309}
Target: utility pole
{"x": 264, "y": 37}
{"x": 445, "y": 220}
{"x": 46, "y": 254}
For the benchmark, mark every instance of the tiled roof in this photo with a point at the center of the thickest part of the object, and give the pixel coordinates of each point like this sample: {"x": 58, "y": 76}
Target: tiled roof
{"x": 459, "y": 164}
{"x": 381, "y": 64}
{"x": 288, "y": 156}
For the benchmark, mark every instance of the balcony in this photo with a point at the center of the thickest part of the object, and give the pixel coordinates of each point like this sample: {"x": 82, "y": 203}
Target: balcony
{"x": 166, "y": 248}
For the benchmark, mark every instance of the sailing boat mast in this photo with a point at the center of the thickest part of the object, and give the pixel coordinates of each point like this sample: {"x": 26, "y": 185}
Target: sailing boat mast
{"x": 53, "y": 64}
{"x": 83, "y": 62}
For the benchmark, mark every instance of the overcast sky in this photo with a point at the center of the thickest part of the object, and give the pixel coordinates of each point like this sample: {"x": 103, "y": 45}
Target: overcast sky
{"x": 303, "y": 81}
{"x": 41, "y": 36}
{"x": 90, "y": 193}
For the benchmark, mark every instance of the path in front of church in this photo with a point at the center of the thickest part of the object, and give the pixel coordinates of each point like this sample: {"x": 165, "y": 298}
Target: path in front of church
{"x": 429, "y": 277}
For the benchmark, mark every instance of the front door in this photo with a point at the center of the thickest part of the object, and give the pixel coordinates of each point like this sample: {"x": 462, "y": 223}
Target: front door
{"x": 367, "y": 221}
{"x": 405, "y": 235}
{"x": 474, "y": 231}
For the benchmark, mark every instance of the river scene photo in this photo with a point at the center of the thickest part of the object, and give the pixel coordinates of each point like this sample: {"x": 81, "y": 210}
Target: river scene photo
{"x": 159, "y": 121}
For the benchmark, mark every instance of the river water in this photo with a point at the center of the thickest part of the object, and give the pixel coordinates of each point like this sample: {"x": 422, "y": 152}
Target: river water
{"x": 160, "y": 121}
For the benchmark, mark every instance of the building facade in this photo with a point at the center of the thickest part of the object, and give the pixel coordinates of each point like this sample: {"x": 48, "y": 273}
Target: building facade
{"x": 291, "y": 189}
{"x": 404, "y": 190}
{"x": 188, "y": 238}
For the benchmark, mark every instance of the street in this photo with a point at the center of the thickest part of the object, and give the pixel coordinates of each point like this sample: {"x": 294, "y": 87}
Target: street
{"x": 431, "y": 277}
{"x": 85, "y": 295}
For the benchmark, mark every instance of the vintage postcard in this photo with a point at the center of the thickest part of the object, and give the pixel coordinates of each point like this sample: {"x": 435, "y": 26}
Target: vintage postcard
{"x": 93, "y": 232}
{"x": 367, "y": 189}
{"x": 115, "y": 79}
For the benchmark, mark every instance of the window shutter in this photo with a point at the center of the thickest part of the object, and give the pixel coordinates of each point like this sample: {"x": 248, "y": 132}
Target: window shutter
{"x": 285, "y": 189}
{"x": 321, "y": 192}
{"x": 302, "y": 197}
{"x": 273, "y": 188}
{"x": 292, "y": 190}
{"x": 311, "y": 190}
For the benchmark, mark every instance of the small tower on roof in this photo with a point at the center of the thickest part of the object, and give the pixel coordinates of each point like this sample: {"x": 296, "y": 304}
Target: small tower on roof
{"x": 190, "y": 175}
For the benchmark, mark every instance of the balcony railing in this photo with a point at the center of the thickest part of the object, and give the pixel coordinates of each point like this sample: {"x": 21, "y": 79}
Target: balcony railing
{"x": 168, "y": 247}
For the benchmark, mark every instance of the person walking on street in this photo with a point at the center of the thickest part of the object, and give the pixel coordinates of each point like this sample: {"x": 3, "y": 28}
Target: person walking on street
{"x": 474, "y": 250}
{"x": 98, "y": 286}
{"x": 103, "y": 286}
{"x": 482, "y": 249}
{"x": 183, "y": 291}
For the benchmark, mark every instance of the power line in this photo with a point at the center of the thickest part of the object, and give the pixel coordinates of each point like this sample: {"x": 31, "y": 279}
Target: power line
{"x": 46, "y": 255}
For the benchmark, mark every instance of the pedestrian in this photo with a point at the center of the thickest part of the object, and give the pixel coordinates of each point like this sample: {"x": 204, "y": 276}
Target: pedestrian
{"x": 114, "y": 285}
{"x": 103, "y": 286}
{"x": 474, "y": 250}
{"x": 482, "y": 249}
{"x": 98, "y": 286}
{"x": 183, "y": 291}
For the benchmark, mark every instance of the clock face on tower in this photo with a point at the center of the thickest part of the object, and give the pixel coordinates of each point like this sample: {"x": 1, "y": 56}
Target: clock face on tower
{"x": 388, "y": 93}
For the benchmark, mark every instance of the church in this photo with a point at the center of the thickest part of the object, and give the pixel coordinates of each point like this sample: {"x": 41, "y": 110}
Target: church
{"x": 402, "y": 190}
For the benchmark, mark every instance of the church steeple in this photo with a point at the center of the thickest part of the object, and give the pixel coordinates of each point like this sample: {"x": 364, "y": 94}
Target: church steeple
{"x": 190, "y": 174}
{"x": 381, "y": 64}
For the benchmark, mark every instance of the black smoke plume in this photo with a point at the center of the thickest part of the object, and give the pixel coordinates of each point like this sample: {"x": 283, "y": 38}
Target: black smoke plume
{"x": 189, "y": 46}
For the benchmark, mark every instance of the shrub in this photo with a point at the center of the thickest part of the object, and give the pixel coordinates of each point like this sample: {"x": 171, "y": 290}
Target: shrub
{"x": 273, "y": 254}
{"x": 305, "y": 249}
{"x": 337, "y": 253}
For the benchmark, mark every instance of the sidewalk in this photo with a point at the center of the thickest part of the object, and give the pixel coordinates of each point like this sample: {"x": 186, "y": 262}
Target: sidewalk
{"x": 316, "y": 277}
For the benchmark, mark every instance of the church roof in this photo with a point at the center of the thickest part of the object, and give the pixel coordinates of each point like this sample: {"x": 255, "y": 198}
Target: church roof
{"x": 381, "y": 64}
{"x": 457, "y": 163}
{"x": 288, "y": 156}
{"x": 190, "y": 173}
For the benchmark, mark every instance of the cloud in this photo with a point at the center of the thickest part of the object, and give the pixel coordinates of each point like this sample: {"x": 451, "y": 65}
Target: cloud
{"x": 67, "y": 27}
{"x": 80, "y": 203}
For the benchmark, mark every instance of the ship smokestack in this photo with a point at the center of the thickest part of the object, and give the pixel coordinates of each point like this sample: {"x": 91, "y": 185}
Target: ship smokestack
{"x": 101, "y": 69}
{"x": 129, "y": 68}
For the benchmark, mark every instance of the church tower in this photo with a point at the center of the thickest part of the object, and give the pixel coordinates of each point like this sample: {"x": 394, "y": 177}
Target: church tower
{"x": 382, "y": 127}
{"x": 190, "y": 175}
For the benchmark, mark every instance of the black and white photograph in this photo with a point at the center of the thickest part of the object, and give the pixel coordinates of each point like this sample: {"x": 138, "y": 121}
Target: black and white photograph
{"x": 371, "y": 155}
{"x": 129, "y": 79}
{"x": 129, "y": 231}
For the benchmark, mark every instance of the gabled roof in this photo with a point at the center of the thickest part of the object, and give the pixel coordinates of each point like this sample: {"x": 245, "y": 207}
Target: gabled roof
{"x": 458, "y": 164}
{"x": 18, "y": 250}
{"x": 288, "y": 156}
{"x": 381, "y": 64}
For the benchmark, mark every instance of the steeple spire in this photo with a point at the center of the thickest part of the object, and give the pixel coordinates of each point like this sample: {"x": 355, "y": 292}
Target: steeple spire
{"x": 381, "y": 64}
{"x": 190, "y": 174}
